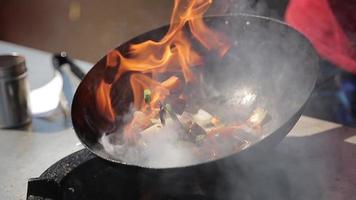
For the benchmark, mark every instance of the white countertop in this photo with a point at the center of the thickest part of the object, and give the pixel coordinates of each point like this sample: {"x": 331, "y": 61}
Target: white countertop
{"x": 328, "y": 147}
{"x": 27, "y": 154}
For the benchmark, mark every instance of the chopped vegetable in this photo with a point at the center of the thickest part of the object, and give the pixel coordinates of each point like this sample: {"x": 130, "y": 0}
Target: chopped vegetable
{"x": 147, "y": 95}
{"x": 195, "y": 130}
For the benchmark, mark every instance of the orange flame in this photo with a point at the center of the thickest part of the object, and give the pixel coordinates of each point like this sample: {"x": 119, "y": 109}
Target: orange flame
{"x": 103, "y": 100}
{"x": 173, "y": 52}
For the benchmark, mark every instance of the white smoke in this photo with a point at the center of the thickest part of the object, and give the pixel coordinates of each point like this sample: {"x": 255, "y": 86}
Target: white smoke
{"x": 161, "y": 148}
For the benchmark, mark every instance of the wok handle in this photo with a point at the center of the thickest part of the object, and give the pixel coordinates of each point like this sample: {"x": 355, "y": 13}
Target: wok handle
{"x": 62, "y": 58}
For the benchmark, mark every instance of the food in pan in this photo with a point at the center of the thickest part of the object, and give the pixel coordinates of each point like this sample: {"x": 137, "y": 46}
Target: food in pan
{"x": 171, "y": 96}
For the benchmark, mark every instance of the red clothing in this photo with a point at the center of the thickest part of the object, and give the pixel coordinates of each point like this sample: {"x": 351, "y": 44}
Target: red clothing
{"x": 330, "y": 25}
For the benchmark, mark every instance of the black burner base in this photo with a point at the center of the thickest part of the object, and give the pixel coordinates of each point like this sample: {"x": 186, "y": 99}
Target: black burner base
{"x": 97, "y": 179}
{"x": 84, "y": 176}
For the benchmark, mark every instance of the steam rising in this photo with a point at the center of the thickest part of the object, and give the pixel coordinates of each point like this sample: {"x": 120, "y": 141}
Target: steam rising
{"x": 161, "y": 149}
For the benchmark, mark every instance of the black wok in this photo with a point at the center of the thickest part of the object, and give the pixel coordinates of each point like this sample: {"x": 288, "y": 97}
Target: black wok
{"x": 270, "y": 59}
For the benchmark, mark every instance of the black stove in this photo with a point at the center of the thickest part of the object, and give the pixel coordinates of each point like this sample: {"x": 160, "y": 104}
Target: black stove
{"x": 84, "y": 176}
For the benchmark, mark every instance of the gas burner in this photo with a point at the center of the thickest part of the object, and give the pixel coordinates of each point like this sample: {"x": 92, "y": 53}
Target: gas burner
{"x": 82, "y": 175}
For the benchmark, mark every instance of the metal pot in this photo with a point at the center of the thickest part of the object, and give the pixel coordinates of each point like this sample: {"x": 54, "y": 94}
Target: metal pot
{"x": 268, "y": 58}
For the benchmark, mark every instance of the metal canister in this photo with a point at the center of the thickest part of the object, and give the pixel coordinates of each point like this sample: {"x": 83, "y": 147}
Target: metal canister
{"x": 14, "y": 92}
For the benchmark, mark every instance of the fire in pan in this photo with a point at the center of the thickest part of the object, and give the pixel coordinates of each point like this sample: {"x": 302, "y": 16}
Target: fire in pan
{"x": 199, "y": 90}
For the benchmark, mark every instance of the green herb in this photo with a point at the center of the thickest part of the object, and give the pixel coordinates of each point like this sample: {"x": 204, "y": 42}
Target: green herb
{"x": 147, "y": 95}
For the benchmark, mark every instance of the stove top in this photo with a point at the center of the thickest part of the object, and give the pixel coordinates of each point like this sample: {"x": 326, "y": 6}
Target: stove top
{"x": 83, "y": 175}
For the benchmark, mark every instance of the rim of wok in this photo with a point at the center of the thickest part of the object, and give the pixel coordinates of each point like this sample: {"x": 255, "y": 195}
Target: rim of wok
{"x": 287, "y": 123}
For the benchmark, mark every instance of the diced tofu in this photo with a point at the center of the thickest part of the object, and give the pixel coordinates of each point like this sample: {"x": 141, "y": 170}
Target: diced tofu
{"x": 151, "y": 130}
{"x": 156, "y": 128}
{"x": 202, "y": 118}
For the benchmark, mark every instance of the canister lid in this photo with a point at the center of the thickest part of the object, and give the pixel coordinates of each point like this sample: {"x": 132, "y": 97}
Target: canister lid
{"x": 12, "y": 65}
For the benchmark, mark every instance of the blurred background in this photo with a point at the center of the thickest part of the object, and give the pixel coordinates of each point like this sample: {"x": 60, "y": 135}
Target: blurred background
{"x": 87, "y": 30}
